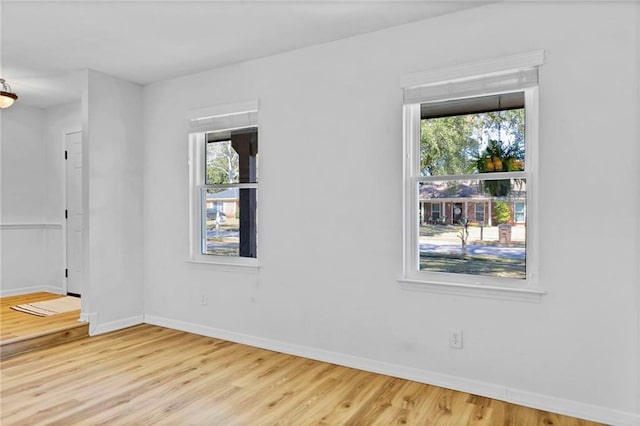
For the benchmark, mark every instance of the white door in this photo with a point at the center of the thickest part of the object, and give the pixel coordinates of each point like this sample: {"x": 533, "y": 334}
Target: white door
{"x": 73, "y": 143}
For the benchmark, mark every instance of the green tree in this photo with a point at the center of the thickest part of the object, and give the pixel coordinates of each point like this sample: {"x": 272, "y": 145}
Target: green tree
{"x": 222, "y": 163}
{"x": 447, "y": 145}
{"x": 502, "y": 211}
{"x": 453, "y": 145}
{"x": 506, "y": 126}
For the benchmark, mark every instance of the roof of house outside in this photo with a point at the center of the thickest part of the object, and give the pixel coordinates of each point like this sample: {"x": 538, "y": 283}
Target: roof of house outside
{"x": 466, "y": 191}
{"x": 227, "y": 194}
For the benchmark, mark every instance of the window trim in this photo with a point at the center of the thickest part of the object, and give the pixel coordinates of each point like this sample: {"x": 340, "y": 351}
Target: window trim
{"x": 223, "y": 117}
{"x": 464, "y": 284}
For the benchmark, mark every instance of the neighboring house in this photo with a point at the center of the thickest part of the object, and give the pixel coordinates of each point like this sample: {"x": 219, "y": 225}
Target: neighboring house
{"x": 226, "y": 201}
{"x": 450, "y": 202}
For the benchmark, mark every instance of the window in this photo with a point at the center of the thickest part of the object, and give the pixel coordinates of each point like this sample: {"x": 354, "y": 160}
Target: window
{"x": 224, "y": 184}
{"x": 470, "y": 147}
{"x": 520, "y": 212}
{"x": 435, "y": 212}
{"x": 479, "y": 213}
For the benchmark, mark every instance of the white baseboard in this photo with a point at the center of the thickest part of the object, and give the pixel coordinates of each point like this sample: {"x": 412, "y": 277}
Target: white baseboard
{"x": 95, "y": 328}
{"x": 486, "y": 389}
{"x": 31, "y": 289}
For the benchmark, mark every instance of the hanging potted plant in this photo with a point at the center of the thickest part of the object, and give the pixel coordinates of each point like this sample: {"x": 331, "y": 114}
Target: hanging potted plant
{"x": 499, "y": 158}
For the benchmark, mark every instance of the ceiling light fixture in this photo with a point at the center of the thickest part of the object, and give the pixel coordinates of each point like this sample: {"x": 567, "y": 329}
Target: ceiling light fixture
{"x": 7, "y": 96}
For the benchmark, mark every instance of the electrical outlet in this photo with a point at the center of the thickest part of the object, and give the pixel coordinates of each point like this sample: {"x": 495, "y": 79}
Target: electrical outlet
{"x": 204, "y": 300}
{"x": 455, "y": 339}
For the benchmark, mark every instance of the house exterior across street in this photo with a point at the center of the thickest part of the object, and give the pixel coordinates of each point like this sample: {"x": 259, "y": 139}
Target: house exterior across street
{"x": 449, "y": 203}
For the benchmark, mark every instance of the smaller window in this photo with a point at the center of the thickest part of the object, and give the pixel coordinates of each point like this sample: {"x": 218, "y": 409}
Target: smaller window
{"x": 520, "y": 215}
{"x": 479, "y": 212}
{"x": 224, "y": 181}
{"x": 435, "y": 211}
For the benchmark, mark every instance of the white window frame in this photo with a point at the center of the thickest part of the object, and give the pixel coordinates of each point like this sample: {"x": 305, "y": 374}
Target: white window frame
{"x": 493, "y": 77}
{"x": 213, "y": 119}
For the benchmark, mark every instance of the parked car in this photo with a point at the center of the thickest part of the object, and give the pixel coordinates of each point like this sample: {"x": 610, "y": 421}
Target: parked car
{"x": 216, "y": 214}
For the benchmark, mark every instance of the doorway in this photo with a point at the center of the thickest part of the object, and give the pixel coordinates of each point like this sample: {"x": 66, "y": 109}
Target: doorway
{"x": 73, "y": 212}
{"x": 458, "y": 213}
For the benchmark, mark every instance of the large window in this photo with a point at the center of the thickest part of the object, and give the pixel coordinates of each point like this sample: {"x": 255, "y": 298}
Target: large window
{"x": 224, "y": 184}
{"x": 470, "y": 145}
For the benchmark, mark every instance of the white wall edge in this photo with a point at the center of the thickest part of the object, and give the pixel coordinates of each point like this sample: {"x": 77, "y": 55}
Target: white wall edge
{"x": 91, "y": 318}
{"x": 113, "y": 325}
{"x": 31, "y": 289}
{"x": 486, "y": 389}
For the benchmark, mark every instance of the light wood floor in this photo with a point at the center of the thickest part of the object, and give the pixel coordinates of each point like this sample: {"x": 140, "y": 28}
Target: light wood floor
{"x": 18, "y": 324}
{"x": 21, "y": 332}
{"x": 151, "y": 375}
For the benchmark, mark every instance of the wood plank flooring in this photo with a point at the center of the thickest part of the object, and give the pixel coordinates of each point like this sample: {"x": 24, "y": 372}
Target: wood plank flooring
{"x": 22, "y": 332}
{"x": 147, "y": 375}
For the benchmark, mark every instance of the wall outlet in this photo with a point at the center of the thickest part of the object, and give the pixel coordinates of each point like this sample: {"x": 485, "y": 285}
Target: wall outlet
{"x": 455, "y": 339}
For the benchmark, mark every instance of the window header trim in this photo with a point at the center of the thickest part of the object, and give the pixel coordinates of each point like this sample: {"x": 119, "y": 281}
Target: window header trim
{"x": 223, "y": 117}
{"x": 470, "y": 70}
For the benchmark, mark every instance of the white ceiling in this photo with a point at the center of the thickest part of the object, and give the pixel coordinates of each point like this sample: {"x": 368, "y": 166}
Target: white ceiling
{"x": 44, "y": 42}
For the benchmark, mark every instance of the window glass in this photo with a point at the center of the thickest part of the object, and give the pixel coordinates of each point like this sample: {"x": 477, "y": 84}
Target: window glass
{"x": 481, "y": 142}
{"x": 479, "y": 212}
{"x": 232, "y": 157}
{"x": 229, "y": 196}
{"x": 435, "y": 211}
{"x": 222, "y": 232}
{"x": 480, "y": 227}
{"x": 520, "y": 212}
{"x": 494, "y": 248}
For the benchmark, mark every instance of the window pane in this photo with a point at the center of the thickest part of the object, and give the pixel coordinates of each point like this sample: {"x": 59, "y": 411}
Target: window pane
{"x": 479, "y": 211}
{"x": 489, "y": 141}
{"x": 458, "y": 241}
{"x": 229, "y": 224}
{"x": 232, "y": 157}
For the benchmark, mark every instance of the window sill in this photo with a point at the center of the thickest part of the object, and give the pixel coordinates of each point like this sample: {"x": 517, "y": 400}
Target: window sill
{"x": 474, "y": 290}
{"x": 244, "y": 265}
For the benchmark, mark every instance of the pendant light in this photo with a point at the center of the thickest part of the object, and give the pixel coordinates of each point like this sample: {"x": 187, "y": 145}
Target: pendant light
{"x": 7, "y": 96}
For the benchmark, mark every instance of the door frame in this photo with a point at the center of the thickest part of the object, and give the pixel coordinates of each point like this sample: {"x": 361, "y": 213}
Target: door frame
{"x": 65, "y": 239}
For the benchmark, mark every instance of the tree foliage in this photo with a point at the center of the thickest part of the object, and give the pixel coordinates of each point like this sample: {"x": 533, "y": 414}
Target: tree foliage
{"x": 454, "y": 145}
{"x": 446, "y": 144}
{"x": 222, "y": 163}
{"x": 502, "y": 212}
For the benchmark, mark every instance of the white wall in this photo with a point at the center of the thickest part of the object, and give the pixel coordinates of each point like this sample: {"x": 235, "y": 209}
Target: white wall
{"x": 31, "y": 225}
{"x": 330, "y": 214}
{"x": 23, "y": 165}
{"x": 113, "y": 200}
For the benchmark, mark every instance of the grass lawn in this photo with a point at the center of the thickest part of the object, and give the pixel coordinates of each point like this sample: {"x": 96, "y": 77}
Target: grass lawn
{"x": 473, "y": 265}
{"x": 224, "y": 245}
